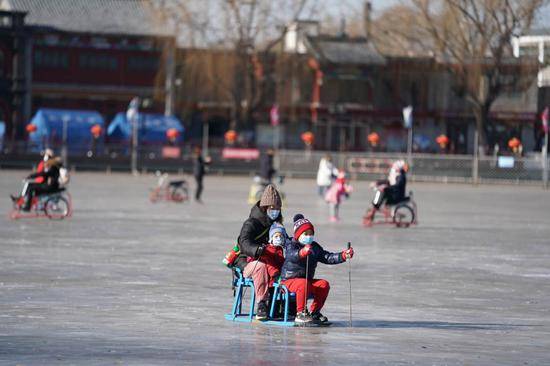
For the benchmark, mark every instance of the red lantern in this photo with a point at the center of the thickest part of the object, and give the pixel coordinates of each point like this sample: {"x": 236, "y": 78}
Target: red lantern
{"x": 230, "y": 137}
{"x": 30, "y": 128}
{"x": 308, "y": 138}
{"x": 96, "y": 131}
{"x": 373, "y": 139}
{"x": 172, "y": 134}
{"x": 514, "y": 143}
{"x": 442, "y": 140}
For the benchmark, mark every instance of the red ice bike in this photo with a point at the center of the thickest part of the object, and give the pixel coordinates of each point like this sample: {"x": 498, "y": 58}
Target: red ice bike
{"x": 55, "y": 206}
{"x": 401, "y": 214}
{"x": 175, "y": 190}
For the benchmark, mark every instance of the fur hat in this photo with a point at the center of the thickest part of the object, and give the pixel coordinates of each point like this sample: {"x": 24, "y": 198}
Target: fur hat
{"x": 271, "y": 197}
{"x": 301, "y": 225}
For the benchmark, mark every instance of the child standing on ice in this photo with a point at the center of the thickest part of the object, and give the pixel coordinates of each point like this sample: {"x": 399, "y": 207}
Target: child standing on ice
{"x": 335, "y": 193}
{"x": 302, "y": 252}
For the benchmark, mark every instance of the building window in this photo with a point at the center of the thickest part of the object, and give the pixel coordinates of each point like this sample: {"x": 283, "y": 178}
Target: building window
{"x": 143, "y": 63}
{"x": 98, "y": 61}
{"x": 51, "y": 59}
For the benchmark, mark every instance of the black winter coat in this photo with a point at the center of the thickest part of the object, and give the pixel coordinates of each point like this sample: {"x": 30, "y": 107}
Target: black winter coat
{"x": 396, "y": 193}
{"x": 198, "y": 167}
{"x": 51, "y": 178}
{"x": 254, "y": 234}
{"x": 266, "y": 167}
{"x": 295, "y": 267}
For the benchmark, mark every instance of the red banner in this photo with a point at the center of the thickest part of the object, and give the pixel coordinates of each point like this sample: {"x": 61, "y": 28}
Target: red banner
{"x": 244, "y": 154}
{"x": 171, "y": 152}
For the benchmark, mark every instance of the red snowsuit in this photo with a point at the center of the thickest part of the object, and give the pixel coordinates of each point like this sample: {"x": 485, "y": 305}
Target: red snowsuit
{"x": 265, "y": 270}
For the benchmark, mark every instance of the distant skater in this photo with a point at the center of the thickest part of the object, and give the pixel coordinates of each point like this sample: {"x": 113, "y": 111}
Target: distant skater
{"x": 199, "y": 169}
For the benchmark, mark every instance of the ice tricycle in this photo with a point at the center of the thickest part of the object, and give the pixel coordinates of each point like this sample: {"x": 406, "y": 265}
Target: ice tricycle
{"x": 401, "y": 214}
{"x": 169, "y": 190}
{"x": 54, "y": 205}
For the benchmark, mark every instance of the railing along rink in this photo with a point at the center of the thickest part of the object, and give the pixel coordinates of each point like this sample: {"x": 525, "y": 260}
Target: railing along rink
{"x": 292, "y": 163}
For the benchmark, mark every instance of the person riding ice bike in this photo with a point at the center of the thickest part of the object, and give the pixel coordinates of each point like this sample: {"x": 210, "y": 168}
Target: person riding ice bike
{"x": 391, "y": 190}
{"x": 51, "y": 180}
{"x": 34, "y": 178}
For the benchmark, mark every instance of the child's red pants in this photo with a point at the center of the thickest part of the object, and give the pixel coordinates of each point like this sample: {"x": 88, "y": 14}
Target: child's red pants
{"x": 318, "y": 288}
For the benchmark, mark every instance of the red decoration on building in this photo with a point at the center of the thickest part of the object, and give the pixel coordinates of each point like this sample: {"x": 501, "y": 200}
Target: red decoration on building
{"x": 30, "y": 128}
{"x": 96, "y": 131}
{"x": 514, "y": 143}
{"x": 308, "y": 138}
{"x": 316, "y": 92}
{"x": 230, "y": 137}
{"x": 172, "y": 134}
{"x": 373, "y": 138}
{"x": 442, "y": 140}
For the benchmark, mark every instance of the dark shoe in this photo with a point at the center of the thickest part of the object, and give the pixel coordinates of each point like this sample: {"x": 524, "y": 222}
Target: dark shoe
{"x": 303, "y": 318}
{"x": 27, "y": 205}
{"x": 261, "y": 311}
{"x": 319, "y": 318}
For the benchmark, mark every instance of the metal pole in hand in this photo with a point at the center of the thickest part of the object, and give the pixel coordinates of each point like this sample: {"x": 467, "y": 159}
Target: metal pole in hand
{"x": 349, "y": 280}
{"x": 305, "y": 292}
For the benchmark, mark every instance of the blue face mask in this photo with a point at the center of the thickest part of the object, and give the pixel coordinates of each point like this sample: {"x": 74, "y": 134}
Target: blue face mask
{"x": 273, "y": 214}
{"x": 278, "y": 240}
{"x": 305, "y": 239}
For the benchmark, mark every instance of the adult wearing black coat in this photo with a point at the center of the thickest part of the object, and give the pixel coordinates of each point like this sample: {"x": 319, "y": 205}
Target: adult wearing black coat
{"x": 50, "y": 181}
{"x": 266, "y": 166}
{"x": 253, "y": 237}
{"x": 199, "y": 169}
{"x": 391, "y": 190}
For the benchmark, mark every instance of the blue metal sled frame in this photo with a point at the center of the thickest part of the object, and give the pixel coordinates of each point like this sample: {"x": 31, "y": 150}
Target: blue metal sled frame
{"x": 280, "y": 293}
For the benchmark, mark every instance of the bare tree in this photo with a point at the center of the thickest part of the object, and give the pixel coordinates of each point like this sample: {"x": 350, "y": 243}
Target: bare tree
{"x": 242, "y": 33}
{"x": 472, "y": 39}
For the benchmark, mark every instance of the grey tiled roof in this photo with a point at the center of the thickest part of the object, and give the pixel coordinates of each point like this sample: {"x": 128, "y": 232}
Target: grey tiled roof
{"x": 94, "y": 16}
{"x": 538, "y": 32}
{"x": 345, "y": 50}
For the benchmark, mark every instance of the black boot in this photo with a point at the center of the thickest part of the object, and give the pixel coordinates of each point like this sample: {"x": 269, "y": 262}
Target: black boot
{"x": 27, "y": 204}
{"x": 261, "y": 311}
{"x": 319, "y": 318}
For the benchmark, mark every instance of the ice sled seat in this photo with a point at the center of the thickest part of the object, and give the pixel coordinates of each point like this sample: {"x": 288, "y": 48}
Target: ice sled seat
{"x": 240, "y": 283}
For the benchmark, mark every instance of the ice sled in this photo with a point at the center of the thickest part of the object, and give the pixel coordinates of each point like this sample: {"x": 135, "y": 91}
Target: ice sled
{"x": 280, "y": 313}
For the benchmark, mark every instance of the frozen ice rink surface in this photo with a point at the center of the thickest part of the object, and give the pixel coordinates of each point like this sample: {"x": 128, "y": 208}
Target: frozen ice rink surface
{"x": 127, "y": 282}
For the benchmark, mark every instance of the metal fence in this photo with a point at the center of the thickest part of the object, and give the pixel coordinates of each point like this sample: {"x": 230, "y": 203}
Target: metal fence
{"x": 295, "y": 163}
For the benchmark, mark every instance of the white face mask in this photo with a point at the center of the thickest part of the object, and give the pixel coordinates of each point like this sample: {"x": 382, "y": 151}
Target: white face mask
{"x": 278, "y": 241}
{"x": 305, "y": 239}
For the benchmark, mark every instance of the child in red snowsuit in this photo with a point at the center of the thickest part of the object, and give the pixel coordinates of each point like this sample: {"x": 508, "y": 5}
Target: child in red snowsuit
{"x": 300, "y": 249}
{"x": 333, "y": 197}
{"x": 272, "y": 258}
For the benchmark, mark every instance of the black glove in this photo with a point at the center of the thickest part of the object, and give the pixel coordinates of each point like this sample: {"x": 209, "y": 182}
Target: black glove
{"x": 260, "y": 250}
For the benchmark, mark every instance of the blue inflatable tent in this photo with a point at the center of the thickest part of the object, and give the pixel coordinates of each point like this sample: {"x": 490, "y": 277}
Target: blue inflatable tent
{"x": 49, "y": 128}
{"x": 151, "y": 128}
{"x": 2, "y": 133}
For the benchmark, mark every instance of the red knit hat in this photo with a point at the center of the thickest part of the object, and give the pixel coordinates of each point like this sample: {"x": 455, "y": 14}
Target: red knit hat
{"x": 301, "y": 224}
